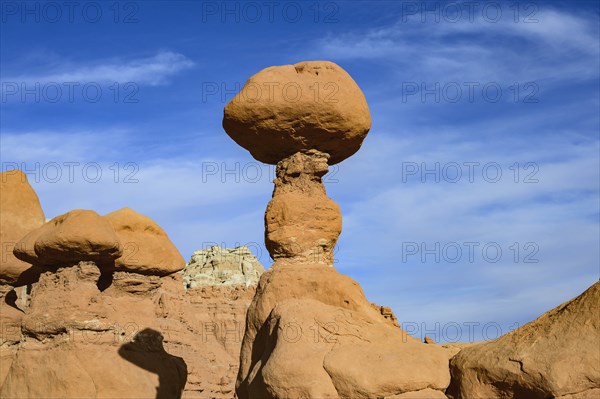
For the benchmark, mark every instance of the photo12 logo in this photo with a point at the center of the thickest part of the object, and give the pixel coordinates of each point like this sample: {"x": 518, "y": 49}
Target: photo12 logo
{"x": 467, "y": 331}
{"x": 470, "y": 92}
{"x": 470, "y": 172}
{"x": 252, "y": 12}
{"x": 469, "y": 251}
{"x": 291, "y": 92}
{"x": 250, "y": 172}
{"x": 68, "y": 92}
{"x": 50, "y": 12}
{"x": 469, "y": 11}
{"x": 71, "y": 172}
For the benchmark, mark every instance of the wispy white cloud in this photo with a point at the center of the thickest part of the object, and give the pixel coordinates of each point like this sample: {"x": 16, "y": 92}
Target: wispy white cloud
{"x": 154, "y": 70}
{"x": 558, "y": 214}
{"x": 559, "y": 45}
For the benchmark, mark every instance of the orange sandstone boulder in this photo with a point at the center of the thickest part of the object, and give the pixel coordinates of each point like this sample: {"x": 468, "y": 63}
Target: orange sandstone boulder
{"x": 309, "y": 105}
{"x": 146, "y": 247}
{"x": 78, "y": 235}
{"x": 311, "y": 332}
{"x": 555, "y": 356}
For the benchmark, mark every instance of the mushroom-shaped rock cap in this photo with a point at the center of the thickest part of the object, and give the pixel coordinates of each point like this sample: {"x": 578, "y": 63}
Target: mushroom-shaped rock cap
{"x": 78, "y": 235}
{"x": 146, "y": 247}
{"x": 291, "y": 108}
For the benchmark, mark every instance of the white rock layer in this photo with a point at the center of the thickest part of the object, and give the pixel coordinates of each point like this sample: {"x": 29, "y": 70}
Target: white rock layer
{"x": 218, "y": 266}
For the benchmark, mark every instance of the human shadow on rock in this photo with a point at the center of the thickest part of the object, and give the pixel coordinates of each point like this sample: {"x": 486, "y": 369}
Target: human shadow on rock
{"x": 147, "y": 351}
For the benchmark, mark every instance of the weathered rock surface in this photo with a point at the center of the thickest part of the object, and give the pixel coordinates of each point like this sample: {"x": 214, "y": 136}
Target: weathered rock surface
{"x": 79, "y": 342}
{"x": 218, "y": 266}
{"x": 10, "y": 331}
{"x": 555, "y": 356}
{"x": 285, "y": 109}
{"x": 78, "y": 235}
{"x": 389, "y": 315}
{"x": 88, "y": 333}
{"x": 306, "y": 328}
{"x": 310, "y": 332}
{"x": 423, "y": 394}
{"x": 20, "y": 213}
{"x": 146, "y": 247}
{"x": 302, "y": 224}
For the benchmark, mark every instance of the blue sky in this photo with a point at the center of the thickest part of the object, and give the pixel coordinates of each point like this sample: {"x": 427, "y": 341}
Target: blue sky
{"x": 110, "y": 104}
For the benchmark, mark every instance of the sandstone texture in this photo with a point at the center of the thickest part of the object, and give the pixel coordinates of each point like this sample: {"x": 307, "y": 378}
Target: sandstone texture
{"x": 218, "y": 266}
{"x": 309, "y": 105}
{"x": 555, "y": 356}
{"x": 20, "y": 213}
{"x": 302, "y": 224}
{"x": 89, "y": 334}
{"x": 78, "y": 235}
{"x": 423, "y": 394}
{"x": 91, "y": 327}
{"x": 146, "y": 247}
{"x": 388, "y": 314}
{"x": 311, "y": 333}
{"x": 10, "y": 333}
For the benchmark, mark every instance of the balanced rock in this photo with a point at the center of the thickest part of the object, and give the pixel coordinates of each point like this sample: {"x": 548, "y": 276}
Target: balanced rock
{"x": 218, "y": 266}
{"x": 308, "y": 325}
{"x": 302, "y": 224}
{"x": 555, "y": 356}
{"x": 20, "y": 213}
{"x": 78, "y": 235}
{"x": 309, "y": 105}
{"x": 146, "y": 247}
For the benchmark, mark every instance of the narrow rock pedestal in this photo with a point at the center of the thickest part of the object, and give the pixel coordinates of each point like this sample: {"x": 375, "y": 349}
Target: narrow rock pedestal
{"x": 310, "y": 331}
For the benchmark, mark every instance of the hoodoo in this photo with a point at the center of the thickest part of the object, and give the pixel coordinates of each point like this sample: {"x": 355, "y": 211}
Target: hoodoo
{"x": 307, "y": 323}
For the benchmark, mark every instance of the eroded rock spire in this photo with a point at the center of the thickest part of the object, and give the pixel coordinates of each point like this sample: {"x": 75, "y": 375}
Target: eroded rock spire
{"x": 303, "y": 118}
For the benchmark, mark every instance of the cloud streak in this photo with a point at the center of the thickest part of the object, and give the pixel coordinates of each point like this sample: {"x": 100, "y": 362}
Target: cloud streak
{"x": 153, "y": 71}
{"x": 558, "y": 46}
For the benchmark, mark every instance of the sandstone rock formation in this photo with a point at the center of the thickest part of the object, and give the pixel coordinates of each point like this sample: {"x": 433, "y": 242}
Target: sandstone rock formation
{"x": 78, "y": 235}
{"x": 146, "y": 247}
{"x": 309, "y": 105}
{"x": 10, "y": 333}
{"x": 311, "y": 333}
{"x": 555, "y": 356}
{"x": 218, "y": 266}
{"x": 389, "y": 315}
{"x": 89, "y": 329}
{"x": 20, "y": 213}
{"x": 73, "y": 336}
{"x": 308, "y": 325}
{"x": 428, "y": 340}
{"x": 132, "y": 336}
{"x": 302, "y": 224}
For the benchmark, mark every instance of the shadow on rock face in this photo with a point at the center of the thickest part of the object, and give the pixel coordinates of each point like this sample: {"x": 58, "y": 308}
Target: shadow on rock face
{"x": 147, "y": 351}
{"x": 29, "y": 276}
{"x": 11, "y": 300}
{"x": 104, "y": 281}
